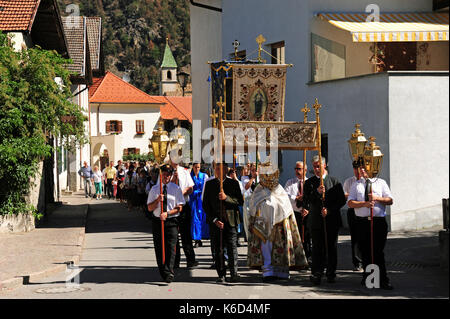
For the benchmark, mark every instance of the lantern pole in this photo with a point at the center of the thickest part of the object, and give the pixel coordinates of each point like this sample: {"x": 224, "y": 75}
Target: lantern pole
{"x": 221, "y": 106}
{"x": 317, "y": 107}
{"x": 305, "y": 111}
{"x": 160, "y": 154}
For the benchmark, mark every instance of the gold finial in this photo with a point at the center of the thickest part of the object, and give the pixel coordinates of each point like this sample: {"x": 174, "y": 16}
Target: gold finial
{"x": 260, "y": 40}
{"x": 317, "y": 106}
{"x": 221, "y": 106}
{"x": 214, "y": 116}
{"x": 167, "y": 40}
{"x": 305, "y": 110}
{"x": 236, "y": 45}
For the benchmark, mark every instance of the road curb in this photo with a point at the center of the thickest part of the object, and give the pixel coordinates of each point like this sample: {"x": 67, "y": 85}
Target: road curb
{"x": 25, "y": 279}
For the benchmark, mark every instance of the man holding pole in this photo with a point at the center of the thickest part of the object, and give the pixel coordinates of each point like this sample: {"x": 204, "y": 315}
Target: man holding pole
{"x": 295, "y": 187}
{"x": 221, "y": 201}
{"x": 324, "y": 220}
{"x": 171, "y": 201}
{"x": 369, "y": 197}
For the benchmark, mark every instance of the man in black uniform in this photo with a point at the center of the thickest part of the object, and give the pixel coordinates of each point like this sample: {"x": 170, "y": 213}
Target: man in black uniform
{"x": 225, "y": 221}
{"x": 324, "y": 254}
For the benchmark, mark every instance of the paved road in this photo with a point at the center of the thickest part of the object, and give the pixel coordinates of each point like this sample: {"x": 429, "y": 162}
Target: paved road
{"x": 118, "y": 261}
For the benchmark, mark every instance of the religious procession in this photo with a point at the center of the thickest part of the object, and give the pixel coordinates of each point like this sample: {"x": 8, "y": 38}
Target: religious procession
{"x": 287, "y": 229}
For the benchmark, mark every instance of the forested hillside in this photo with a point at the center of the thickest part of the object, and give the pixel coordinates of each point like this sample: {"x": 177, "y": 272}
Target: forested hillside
{"x": 134, "y": 35}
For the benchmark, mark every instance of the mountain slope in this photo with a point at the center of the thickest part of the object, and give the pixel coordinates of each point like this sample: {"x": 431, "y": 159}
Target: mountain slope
{"x": 134, "y": 35}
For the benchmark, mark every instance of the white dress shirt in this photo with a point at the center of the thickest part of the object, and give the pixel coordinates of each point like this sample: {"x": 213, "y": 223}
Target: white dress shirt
{"x": 379, "y": 188}
{"x": 184, "y": 180}
{"x": 348, "y": 184}
{"x": 208, "y": 179}
{"x": 174, "y": 198}
{"x": 291, "y": 188}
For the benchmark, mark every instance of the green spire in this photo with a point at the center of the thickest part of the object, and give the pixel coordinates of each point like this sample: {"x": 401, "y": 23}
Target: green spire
{"x": 168, "y": 60}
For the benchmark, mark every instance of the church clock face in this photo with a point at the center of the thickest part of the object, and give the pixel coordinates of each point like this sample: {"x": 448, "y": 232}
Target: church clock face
{"x": 258, "y": 103}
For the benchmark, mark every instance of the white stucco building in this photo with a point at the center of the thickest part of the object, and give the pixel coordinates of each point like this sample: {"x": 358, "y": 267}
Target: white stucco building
{"x": 122, "y": 119}
{"x": 406, "y": 106}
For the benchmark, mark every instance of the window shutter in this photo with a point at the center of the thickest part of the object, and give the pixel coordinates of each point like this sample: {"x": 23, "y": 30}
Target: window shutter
{"x": 138, "y": 151}
{"x": 125, "y": 151}
{"x": 119, "y": 126}
{"x": 108, "y": 127}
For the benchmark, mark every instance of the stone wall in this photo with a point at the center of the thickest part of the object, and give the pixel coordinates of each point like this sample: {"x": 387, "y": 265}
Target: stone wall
{"x": 16, "y": 223}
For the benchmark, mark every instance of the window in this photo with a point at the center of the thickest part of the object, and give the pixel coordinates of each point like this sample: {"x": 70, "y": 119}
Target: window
{"x": 131, "y": 151}
{"x": 277, "y": 51}
{"x": 327, "y": 59}
{"x": 113, "y": 127}
{"x": 140, "y": 127}
{"x": 391, "y": 56}
{"x": 169, "y": 75}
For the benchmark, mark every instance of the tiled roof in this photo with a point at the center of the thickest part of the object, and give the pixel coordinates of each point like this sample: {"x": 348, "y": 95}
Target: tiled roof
{"x": 94, "y": 25}
{"x": 112, "y": 89}
{"x": 179, "y": 107}
{"x": 17, "y": 15}
{"x": 168, "y": 60}
{"x": 74, "y": 28}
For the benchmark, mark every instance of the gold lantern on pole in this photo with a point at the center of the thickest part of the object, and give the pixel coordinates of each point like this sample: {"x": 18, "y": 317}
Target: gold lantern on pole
{"x": 159, "y": 143}
{"x": 373, "y": 158}
{"x": 357, "y": 143}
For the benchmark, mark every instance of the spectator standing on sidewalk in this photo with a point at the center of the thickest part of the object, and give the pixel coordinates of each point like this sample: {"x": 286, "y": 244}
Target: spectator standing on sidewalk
{"x": 98, "y": 180}
{"x": 110, "y": 172}
{"x": 86, "y": 173}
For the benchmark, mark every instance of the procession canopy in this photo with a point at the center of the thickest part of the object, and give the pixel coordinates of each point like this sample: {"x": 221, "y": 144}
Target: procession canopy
{"x": 252, "y": 95}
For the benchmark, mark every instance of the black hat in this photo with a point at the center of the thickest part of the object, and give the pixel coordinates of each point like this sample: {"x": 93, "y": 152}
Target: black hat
{"x": 358, "y": 163}
{"x": 167, "y": 168}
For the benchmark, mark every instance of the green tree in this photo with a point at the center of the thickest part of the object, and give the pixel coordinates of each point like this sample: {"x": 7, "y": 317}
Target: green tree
{"x": 33, "y": 107}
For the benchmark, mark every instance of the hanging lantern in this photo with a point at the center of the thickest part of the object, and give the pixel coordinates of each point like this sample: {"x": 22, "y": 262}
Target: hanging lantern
{"x": 373, "y": 158}
{"x": 159, "y": 142}
{"x": 357, "y": 143}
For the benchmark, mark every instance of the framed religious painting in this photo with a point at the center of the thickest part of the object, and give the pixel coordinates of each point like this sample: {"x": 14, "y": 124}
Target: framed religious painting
{"x": 259, "y": 92}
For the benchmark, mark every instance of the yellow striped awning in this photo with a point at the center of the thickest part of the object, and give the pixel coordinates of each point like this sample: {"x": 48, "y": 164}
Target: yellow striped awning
{"x": 392, "y": 27}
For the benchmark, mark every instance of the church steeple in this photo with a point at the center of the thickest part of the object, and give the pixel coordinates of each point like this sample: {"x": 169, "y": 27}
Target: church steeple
{"x": 168, "y": 72}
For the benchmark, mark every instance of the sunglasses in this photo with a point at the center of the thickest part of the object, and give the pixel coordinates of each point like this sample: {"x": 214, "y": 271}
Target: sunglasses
{"x": 297, "y": 169}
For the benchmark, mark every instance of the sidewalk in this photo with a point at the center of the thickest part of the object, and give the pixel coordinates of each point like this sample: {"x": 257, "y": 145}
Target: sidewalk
{"x": 45, "y": 250}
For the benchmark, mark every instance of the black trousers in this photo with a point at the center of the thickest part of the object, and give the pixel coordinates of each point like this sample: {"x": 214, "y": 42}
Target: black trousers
{"x": 319, "y": 257}
{"x": 170, "y": 240}
{"x": 304, "y": 232}
{"x": 109, "y": 188}
{"x": 229, "y": 235}
{"x": 184, "y": 228}
{"x": 356, "y": 251}
{"x": 380, "y": 231}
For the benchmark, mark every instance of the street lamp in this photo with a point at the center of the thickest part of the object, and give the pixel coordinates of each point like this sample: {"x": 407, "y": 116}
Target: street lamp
{"x": 183, "y": 78}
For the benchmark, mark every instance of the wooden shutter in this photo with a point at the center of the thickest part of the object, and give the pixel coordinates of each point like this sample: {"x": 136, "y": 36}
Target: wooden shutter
{"x": 138, "y": 151}
{"x": 119, "y": 126}
{"x": 125, "y": 151}
{"x": 108, "y": 127}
